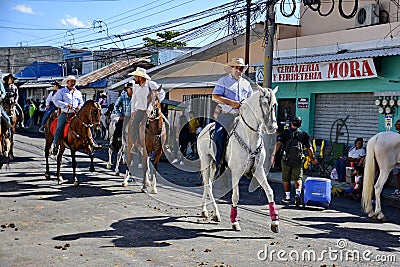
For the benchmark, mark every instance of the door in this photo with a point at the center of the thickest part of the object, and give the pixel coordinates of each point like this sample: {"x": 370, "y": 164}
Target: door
{"x": 286, "y": 111}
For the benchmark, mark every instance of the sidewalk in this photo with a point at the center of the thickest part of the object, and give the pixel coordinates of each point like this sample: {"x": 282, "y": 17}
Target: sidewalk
{"x": 387, "y": 199}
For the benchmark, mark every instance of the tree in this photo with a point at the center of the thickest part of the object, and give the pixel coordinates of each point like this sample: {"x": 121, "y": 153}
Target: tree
{"x": 165, "y": 42}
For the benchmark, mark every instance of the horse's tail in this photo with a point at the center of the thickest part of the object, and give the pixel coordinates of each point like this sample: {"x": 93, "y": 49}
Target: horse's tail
{"x": 369, "y": 175}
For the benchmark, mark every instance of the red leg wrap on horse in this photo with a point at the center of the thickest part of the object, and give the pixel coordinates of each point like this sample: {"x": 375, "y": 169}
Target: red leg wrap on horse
{"x": 234, "y": 215}
{"x": 273, "y": 212}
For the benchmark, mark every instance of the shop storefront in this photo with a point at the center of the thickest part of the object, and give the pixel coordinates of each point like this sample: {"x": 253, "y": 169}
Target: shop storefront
{"x": 337, "y": 98}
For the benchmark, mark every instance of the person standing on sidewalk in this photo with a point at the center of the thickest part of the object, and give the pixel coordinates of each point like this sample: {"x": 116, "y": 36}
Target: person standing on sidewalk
{"x": 291, "y": 143}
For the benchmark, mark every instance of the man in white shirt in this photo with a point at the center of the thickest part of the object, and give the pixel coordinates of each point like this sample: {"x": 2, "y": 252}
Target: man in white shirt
{"x": 143, "y": 85}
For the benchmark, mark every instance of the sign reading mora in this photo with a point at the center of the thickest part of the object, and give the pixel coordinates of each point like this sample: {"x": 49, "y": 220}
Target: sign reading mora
{"x": 325, "y": 71}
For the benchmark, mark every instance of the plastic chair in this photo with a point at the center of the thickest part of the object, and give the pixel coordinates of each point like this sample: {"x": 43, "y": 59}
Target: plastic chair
{"x": 320, "y": 169}
{"x": 336, "y": 152}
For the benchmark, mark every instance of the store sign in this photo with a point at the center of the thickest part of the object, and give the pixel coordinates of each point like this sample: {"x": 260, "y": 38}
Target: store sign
{"x": 351, "y": 69}
{"x": 302, "y": 103}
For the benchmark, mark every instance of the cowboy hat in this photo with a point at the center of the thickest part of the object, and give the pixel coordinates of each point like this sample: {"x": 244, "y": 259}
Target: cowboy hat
{"x": 129, "y": 85}
{"x": 141, "y": 72}
{"x": 237, "y": 62}
{"x": 68, "y": 78}
{"x": 5, "y": 78}
{"x": 103, "y": 94}
{"x": 56, "y": 83}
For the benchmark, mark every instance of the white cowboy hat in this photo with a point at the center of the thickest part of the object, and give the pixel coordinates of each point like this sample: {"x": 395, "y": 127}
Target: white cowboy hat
{"x": 236, "y": 62}
{"x": 68, "y": 78}
{"x": 141, "y": 72}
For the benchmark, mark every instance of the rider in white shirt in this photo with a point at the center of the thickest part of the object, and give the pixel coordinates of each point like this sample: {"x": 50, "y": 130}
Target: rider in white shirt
{"x": 141, "y": 89}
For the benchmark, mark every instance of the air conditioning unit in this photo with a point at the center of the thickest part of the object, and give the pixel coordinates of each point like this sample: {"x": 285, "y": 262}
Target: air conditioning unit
{"x": 367, "y": 15}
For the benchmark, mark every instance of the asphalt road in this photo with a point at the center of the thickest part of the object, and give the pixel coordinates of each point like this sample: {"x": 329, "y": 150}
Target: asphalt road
{"x": 101, "y": 223}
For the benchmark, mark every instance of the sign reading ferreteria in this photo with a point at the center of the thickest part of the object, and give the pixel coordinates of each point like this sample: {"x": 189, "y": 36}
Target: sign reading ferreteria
{"x": 351, "y": 69}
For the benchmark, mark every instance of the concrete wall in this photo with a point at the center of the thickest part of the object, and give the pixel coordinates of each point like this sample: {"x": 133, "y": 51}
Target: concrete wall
{"x": 14, "y": 59}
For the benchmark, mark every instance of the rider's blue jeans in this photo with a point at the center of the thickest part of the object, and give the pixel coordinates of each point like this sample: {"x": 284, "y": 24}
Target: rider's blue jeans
{"x": 62, "y": 119}
{"x": 222, "y": 125}
{"x": 47, "y": 114}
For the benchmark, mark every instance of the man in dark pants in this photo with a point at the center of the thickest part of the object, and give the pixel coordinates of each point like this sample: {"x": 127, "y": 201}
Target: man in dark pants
{"x": 229, "y": 93}
{"x": 123, "y": 109}
{"x": 292, "y": 168}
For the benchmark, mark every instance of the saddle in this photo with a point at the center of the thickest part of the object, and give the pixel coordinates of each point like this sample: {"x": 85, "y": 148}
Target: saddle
{"x": 224, "y": 163}
{"x": 53, "y": 127}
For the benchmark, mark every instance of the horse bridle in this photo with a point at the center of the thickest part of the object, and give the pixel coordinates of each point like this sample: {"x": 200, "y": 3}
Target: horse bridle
{"x": 90, "y": 124}
{"x": 264, "y": 115}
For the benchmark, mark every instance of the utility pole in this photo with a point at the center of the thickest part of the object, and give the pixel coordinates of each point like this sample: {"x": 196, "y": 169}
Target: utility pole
{"x": 269, "y": 43}
{"x": 247, "y": 45}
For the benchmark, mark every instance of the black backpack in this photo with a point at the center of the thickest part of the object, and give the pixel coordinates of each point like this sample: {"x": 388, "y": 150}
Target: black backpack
{"x": 294, "y": 150}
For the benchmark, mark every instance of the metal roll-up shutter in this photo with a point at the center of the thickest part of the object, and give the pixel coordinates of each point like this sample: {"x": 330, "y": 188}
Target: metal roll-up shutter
{"x": 362, "y": 115}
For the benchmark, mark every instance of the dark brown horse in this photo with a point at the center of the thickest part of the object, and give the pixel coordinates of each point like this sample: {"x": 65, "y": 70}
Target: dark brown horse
{"x": 5, "y": 143}
{"x": 78, "y": 137}
{"x": 10, "y": 108}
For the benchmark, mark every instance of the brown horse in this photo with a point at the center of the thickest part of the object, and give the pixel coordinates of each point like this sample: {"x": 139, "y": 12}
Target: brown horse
{"x": 151, "y": 139}
{"x": 10, "y": 108}
{"x": 78, "y": 137}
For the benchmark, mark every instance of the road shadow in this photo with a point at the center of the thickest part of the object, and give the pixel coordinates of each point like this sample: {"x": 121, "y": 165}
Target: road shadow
{"x": 152, "y": 232}
{"x": 334, "y": 229}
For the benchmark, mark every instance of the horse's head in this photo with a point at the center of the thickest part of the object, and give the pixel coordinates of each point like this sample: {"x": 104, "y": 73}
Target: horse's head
{"x": 8, "y": 102}
{"x": 154, "y": 103}
{"x": 263, "y": 106}
{"x": 91, "y": 113}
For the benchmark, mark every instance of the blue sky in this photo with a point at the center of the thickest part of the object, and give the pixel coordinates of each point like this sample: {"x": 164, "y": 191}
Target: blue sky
{"x": 57, "y": 22}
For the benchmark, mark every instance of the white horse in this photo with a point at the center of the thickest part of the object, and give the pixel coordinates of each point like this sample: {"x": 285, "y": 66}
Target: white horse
{"x": 245, "y": 153}
{"x": 383, "y": 149}
{"x": 121, "y": 148}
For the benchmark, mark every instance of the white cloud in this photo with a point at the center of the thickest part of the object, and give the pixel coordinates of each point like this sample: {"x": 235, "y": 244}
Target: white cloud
{"x": 24, "y": 9}
{"x": 74, "y": 21}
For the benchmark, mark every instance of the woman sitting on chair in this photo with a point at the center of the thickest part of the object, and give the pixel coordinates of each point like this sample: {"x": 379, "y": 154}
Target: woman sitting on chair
{"x": 355, "y": 157}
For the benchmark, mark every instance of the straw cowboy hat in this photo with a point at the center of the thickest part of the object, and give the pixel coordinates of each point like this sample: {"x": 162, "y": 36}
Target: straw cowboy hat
{"x": 141, "y": 72}
{"x": 69, "y": 78}
{"x": 236, "y": 62}
{"x": 103, "y": 94}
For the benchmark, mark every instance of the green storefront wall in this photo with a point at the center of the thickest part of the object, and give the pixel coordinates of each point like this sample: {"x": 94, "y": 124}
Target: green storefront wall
{"x": 388, "y": 80}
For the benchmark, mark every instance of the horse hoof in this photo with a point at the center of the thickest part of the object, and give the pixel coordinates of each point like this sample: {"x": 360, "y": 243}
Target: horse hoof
{"x": 154, "y": 191}
{"x": 144, "y": 190}
{"x": 204, "y": 214}
{"x": 383, "y": 219}
{"x": 217, "y": 218}
{"x": 124, "y": 184}
{"x": 108, "y": 166}
{"x": 116, "y": 173}
{"x": 91, "y": 169}
{"x": 76, "y": 183}
{"x": 60, "y": 180}
{"x": 236, "y": 226}
{"x": 275, "y": 226}
{"x": 47, "y": 176}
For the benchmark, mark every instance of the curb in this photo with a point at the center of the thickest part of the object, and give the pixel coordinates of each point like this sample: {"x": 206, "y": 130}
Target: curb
{"x": 387, "y": 199}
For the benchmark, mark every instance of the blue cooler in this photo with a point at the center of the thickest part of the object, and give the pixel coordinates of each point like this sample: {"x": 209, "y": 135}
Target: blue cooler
{"x": 317, "y": 192}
